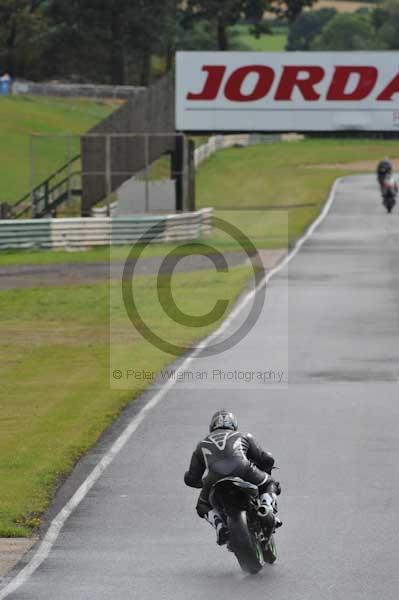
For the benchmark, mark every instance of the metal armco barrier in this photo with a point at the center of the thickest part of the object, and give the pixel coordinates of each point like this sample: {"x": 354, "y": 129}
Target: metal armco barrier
{"x": 107, "y": 231}
{"x": 220, "y": 142}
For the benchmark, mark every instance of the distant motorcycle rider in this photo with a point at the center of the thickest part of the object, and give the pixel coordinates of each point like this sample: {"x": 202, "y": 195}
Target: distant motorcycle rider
{"x": 227, "y": 452}
{"x": 384, "y": 168}
{"x": 388, "y": 184}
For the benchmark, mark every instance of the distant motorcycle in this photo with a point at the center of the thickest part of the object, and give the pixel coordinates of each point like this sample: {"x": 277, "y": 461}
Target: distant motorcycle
{"x": 251, "y": 537}
{"x": 389, "y": 191}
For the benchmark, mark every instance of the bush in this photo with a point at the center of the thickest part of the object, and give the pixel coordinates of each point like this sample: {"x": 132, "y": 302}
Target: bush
{"x": 347, "y": 32}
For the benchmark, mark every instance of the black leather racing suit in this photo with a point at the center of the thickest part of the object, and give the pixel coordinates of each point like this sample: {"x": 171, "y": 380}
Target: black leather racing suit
{"x": 224, "y": 452}
{"x": 384, "y": 168}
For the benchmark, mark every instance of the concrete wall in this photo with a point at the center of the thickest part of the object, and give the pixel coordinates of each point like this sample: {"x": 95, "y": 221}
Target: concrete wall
{"x": 106, "y": 231}
{"x": 138, "y": 196}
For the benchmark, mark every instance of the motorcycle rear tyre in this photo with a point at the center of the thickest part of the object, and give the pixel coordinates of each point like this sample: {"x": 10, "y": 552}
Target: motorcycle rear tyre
{"x": 245, "y": 547}
{"x": 389, "y": 203}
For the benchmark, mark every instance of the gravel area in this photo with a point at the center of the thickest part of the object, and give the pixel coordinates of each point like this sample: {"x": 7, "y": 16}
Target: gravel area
{"x": 11, "y": 552}
{"x": 27, "y": 276}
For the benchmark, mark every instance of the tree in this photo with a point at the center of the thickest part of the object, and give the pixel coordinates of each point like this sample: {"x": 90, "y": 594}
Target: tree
{"x": 80, "y": 41}
{"x": 307, "y": 26}
{"x": 385, "y": 19}
{"x": 200, "y": 36}
{"x": 223, "y": 14}
{"x": 346, "y": 32}
{"x": 290, "y": 9}
{"x": 22, "y": 27}
{"x": 101, "y": 38}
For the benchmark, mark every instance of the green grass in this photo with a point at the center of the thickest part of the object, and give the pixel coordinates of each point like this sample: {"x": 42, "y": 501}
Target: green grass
{"x": 54, "y": 367}
{"x": 265, "y": 43}
{"x": 22, "y": 115}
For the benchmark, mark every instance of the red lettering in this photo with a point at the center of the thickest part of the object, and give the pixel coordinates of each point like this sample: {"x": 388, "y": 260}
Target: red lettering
{"x": 303, "y": 78}
{"x": 365, "y": 84}
{"x": 212, "y": 84}
{"x": 265, "y": 77}
{"x": 290, "y": 79}
{"x": 391, "y": 89}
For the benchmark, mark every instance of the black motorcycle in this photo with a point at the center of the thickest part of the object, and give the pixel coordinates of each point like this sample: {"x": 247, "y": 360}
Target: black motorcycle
{"x": 389, "y": 190}
{"x": 250, "y": 530}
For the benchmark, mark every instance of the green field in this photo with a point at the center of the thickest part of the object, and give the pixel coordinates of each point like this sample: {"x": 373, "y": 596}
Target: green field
{"x": 23, "y": 115}
{"x": 265, "y": 43}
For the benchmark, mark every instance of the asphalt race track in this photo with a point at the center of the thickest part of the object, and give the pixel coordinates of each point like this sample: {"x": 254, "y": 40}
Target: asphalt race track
{"x": 334, "y": 429}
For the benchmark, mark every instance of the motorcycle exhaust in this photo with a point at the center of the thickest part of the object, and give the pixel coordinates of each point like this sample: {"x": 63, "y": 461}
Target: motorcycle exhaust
{"x": 264, "y": 510}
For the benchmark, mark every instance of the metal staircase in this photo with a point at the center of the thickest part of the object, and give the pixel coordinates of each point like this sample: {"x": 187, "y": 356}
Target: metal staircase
{"x": 44, "y": 199}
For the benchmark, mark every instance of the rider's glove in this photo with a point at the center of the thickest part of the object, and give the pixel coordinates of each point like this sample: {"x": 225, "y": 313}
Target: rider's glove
{"x": 190, "y": 481}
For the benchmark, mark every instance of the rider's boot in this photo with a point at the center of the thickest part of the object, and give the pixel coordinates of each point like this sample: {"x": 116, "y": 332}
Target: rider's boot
{"x": 222, "y": 534}
{"x": 268, "y": 510}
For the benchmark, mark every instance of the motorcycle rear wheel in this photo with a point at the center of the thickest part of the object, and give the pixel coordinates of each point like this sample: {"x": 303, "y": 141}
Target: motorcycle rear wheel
{"x": 389, "y": 203}
{"x": 245, "y": 547}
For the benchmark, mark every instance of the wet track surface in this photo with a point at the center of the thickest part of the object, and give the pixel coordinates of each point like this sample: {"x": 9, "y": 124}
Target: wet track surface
{"x": 334, "y": 429}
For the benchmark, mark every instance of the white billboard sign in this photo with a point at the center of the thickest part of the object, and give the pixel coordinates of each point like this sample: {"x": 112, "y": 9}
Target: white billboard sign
{"x": 287, "y": 91}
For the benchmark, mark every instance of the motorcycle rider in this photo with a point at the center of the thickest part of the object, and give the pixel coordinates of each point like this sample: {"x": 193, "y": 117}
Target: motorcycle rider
{"x": 384, "y": 168}
{"x": 227, "y": 452}
{"x": 388, "y": 184}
